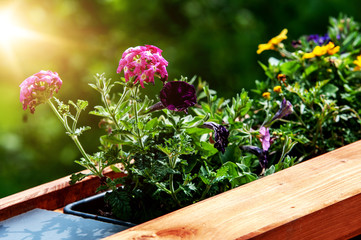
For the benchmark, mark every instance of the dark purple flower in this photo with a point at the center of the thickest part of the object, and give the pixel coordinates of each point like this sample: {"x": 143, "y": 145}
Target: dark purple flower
{"x": 296, "y": 43}
{"x": 260, "y": 153}
{"x": 220, "y": 135}
{"x": 285, "y": 109}
{"x": 175, "y": 96}
{"x": 178, "y": 96}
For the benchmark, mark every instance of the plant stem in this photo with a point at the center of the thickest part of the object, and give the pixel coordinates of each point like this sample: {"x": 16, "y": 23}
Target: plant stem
{"x": 204, "y": 194}
{"x": 136, "y": 118}
{"x": 172, "y": 164}
{"x": 121, "y": 98}
{"x": 74, "y": 138}
{"x": 112, "y": 115}
{"x": 171, "y": 188}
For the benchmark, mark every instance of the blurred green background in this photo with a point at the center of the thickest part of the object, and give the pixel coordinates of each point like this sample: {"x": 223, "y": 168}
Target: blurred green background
{"x": 214, "y": 39}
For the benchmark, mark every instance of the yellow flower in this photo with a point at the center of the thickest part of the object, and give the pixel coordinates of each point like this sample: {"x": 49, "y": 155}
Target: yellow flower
{"x": 331, "y": 49}
{"x": 281, "y": 77}
{"x": 278, "y": 39}
{"x": 271, "y": 45}
{"x": 322, "y": 50}
{"x": 358, "y": 63}
{"x": 277, "y": 89}
{"x": 265, "y": 46}
{"x": 266, "y": 95}
{"x": 308, "y": 55}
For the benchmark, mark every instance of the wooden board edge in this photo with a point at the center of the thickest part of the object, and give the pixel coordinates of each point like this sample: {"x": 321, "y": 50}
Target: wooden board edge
{"x": 52, "y": 195}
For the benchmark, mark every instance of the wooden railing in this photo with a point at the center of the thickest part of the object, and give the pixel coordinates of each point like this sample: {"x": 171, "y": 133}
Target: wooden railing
{"x": 317, "y": 199}
{"x": 50, "y": 196}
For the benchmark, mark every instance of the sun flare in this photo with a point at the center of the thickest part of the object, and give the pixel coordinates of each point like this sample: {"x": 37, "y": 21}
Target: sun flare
{"x": 15, "y": 35}
{"x": 10, "y": 29}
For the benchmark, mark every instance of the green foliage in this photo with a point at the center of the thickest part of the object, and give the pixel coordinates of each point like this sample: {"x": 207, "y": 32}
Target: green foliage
{"x": 170, "y": 158}
{"x": 323, "y": 89}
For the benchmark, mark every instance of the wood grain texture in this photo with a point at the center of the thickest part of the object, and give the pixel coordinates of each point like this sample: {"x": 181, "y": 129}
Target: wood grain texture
{"x": 317, "y": 199}
{"x": 50, "y": 196}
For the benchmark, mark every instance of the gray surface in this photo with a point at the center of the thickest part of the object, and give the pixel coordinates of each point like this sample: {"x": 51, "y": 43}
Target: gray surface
{"x": 42, "y": 224}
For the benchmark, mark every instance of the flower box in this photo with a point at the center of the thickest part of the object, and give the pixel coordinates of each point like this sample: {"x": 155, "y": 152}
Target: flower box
{"x": 94, "y": 207}
{"x": 317, "y": 199}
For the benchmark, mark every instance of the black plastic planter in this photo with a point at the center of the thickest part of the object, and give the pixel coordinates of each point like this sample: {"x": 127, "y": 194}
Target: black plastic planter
{"x": 89, "y": 207}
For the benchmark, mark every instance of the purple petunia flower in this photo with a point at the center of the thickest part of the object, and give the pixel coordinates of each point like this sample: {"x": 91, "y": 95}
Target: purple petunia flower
{"x": 260, "y": 153}
{"x": 176, "y": 96}
{"x": 220, "y": 135}
{"x": 285, "y": 109}
{"x": 265, "y": 138}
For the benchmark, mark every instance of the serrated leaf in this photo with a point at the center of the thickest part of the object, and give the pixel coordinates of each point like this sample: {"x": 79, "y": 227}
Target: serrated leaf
{"x": 82, "y": 104}
{"x": 205, "y": 180}
{"x": 76, "y": 177}
{"x": 100, "y": 111}
{"x": 80, "y": 130}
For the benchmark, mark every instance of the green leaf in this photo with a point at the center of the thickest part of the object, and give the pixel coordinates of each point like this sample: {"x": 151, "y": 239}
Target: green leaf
{"x": 245, "y": 178}
{"x": 350, "y": 38}
{"x": 100, "y": 111}
{"x": 310, "y": 69}
{"x": 264, "y": 67}
{"x": 353, "y": 75}
{"x": 208, "y": 149}
{"x": 151, "y": 124}
{"x": 120, "y": 202}
{"x": 80, "y": 130}
{"x": 115, "y": 140}
{"x": 76, "y": 177}
{"x": 82, "y": 104}
{"x": 289, "y": 68}
{"x": 270, "y": 170}
{"x": 191, "y": 163}
{"x": 232, "y": 169}
{"x": 206, "y": 107}
{"x": 231, "y": 153}
{"x": 330, "y": 90}
{"x": 116, "y": 169}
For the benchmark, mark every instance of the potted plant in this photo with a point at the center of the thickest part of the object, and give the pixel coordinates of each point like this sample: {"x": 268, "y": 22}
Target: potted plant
{"x": 190, "y": 144}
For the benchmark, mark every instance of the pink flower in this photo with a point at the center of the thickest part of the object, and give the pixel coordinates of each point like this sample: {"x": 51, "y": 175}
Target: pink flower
{"x": 142, "y": 63}
{"x": 38, "y": 88}
{"x": 265, "y": 138}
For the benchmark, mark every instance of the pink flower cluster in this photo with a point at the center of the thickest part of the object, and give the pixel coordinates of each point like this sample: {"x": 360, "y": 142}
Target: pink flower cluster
{"x": 38, "y": 88}
{"x": 142, "y": 63}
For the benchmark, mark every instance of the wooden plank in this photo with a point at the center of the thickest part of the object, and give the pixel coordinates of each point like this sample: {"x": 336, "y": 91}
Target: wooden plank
{"x": 50, "y": 196}
{"x": 317, "y": 199}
